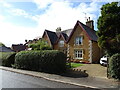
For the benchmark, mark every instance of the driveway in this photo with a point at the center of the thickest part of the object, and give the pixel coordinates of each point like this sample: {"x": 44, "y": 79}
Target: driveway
{"x": 94, "y": 70}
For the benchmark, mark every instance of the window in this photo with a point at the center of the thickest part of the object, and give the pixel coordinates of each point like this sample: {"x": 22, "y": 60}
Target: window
{"x": 78, "y": 40}
{"x": 61, "y": 43}
{"x": 79, "y": 54}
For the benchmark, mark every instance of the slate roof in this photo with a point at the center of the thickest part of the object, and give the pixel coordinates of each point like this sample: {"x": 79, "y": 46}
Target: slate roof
{"x": 18, "y": 47}
{"x": 5, "y": 49}
{"x": 91, "y": 34}
{"x": 64, "y": 36}
{"x": 52, "y": 36}
{"x": 68, "y": 31}
{"x": 67, "y": 34}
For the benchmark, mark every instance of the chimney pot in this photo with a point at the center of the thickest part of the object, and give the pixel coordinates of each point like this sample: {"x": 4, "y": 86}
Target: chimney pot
{"x": 90, "y": 24}
{"x": 58, "y": 29}
{"x": 89, "y": 18}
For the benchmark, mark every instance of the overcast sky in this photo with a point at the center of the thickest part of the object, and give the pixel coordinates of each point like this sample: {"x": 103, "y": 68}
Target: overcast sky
{"x": 27, "y": 19}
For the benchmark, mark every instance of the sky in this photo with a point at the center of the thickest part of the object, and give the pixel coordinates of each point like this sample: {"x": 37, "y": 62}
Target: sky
{"x": 27, "y": 19}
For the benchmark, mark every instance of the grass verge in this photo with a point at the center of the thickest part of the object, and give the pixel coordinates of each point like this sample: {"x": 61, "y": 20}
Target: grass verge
{"x": 74, "y": 65}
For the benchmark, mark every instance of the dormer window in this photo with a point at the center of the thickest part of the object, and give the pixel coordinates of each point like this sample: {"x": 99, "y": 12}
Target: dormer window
{"x": 61, "y": 43}
{"x": 78, "y": 40}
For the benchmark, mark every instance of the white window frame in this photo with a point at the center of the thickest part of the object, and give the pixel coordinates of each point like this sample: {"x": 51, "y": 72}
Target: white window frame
{"x": 61, "y": 43}
{"x": 78, "y": 53}
{"x": 79, "y": 40}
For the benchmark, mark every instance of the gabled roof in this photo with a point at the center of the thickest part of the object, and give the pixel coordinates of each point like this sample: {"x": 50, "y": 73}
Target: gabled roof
{"x": 51, "y": 35}
{"x": 64, "y": 36}
{"x": 91, "y": 34}
{"x": 67, "y": 34}
{"x": 18, "y": 47}
{"x": 68, "y": 31}
{"x": 5, "y": 49}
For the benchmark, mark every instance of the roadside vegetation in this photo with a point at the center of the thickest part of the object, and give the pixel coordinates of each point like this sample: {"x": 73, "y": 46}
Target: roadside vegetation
{"x": 109, "y": 36}
{"x": 7, "y": 58}
{"x": 41, "y": 58}
{"x": 50, "y": 61}
{"x": 114, "y": 66}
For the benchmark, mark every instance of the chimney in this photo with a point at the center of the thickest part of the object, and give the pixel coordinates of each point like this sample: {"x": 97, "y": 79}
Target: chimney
{"x": 58, "y": 29}
{"x": 90, "y": 23}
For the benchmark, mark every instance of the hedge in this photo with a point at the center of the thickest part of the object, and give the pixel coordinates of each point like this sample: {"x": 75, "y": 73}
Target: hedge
{"x": 7, "y": 58}
{"x": 51, "y": 61}
{"x": 114, "y": 66}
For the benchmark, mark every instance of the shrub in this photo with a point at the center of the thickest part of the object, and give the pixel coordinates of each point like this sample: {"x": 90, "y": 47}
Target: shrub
{"x": 114, "y": 66}
{"x": 45, "y": 47}
{"x": 7, "y": 58}
{"x": 40, "y": 45}
{"x": 27, "y": 60}
{"x": 50, "y": 61}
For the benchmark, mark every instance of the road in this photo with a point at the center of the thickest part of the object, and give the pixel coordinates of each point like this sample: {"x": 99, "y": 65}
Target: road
{"x": 15, "y": 80}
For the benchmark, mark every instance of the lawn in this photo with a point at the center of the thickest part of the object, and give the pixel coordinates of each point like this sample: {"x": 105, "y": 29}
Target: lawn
{"x": 74, "y": 65}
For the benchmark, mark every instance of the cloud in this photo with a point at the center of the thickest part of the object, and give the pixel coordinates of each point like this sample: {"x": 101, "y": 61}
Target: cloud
{"x": 2, "y": 18}
{"x": 22, "y": 13}
{"x": 62, "y": 14}
{"x": 19, "y": 12}
{"x": 5, "y": 4}
{"x": 58, "y": 14}
{"x": 43, "y": 3}
{"x": 12, "y": 34}
{"x": 12, "y": 10}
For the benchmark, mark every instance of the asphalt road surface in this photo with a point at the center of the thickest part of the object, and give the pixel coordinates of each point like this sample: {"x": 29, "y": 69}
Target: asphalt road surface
{"x": 15, "y": 80}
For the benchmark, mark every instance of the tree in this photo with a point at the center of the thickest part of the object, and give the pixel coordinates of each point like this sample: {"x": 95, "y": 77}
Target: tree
{"x": 40, "y": 45}
{"x": 109, "y": 28}
{"x": 1, "y": 44}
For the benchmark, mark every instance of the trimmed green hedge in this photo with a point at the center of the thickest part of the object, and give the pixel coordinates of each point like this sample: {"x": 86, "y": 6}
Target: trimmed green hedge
{"x": 7, "y": 58}
{"x": 50, "y": 61}
{"x": 114, "y": 66}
